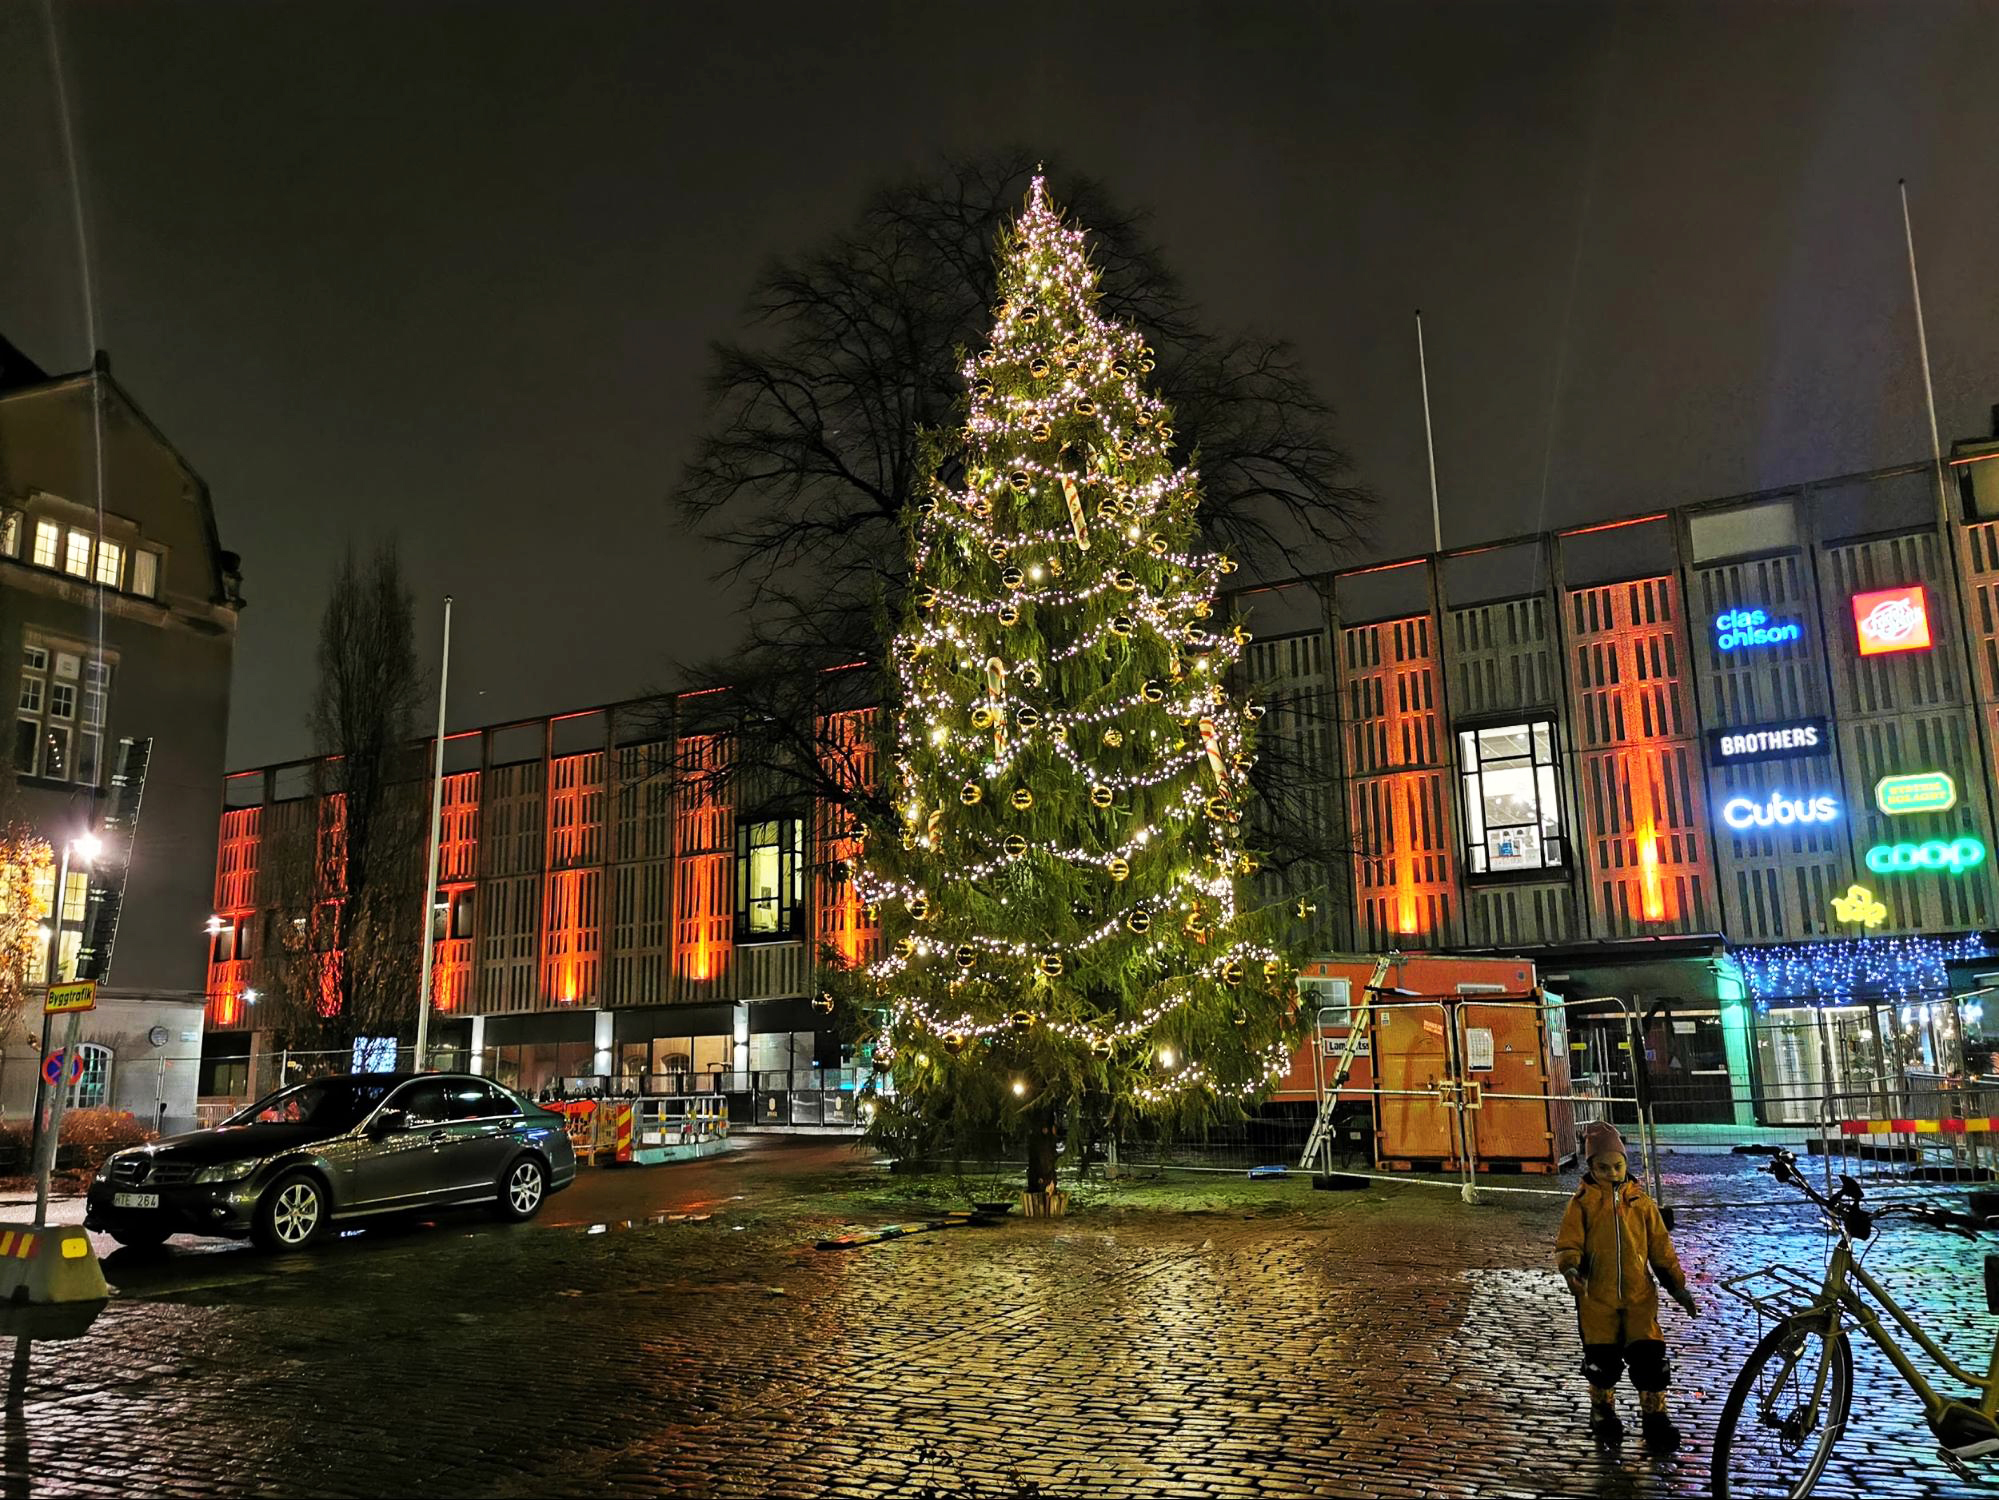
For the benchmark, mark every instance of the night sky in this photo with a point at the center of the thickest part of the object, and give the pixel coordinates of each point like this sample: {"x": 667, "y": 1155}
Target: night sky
{"x": 448, "y": 272}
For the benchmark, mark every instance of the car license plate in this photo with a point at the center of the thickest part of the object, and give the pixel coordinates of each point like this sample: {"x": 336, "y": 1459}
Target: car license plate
{"x": 135, "y": 1200}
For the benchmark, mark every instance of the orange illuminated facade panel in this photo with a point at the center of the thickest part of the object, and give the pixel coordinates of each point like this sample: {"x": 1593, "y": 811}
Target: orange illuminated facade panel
{"x": 1404, "y": 865}
{"x": 1639, "y": 759}
{"x": 704, "y": 841}
{"x": 844, "y": 922}
{"x": 572, "y": 917}
{"x": 236, "y": 861}
{"x": 458, "y": 829}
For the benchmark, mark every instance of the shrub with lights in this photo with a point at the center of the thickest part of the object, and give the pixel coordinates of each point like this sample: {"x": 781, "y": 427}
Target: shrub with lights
{"x": 1065, "y": 945}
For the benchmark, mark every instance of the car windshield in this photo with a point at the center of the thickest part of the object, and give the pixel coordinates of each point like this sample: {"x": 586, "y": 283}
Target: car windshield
{"x": 333, "y": 1103}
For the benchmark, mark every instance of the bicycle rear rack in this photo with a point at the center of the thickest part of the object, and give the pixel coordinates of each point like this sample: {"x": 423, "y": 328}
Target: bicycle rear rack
{"x": 1776, "y": 1292}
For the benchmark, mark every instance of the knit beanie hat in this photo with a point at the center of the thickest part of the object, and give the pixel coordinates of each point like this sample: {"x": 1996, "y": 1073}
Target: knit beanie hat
{"x": 1600, "y": 1138}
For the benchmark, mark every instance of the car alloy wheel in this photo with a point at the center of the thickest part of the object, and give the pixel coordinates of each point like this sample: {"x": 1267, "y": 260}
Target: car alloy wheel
{"x": 295, "y": 1216}
{"x": 524, "y": 1188}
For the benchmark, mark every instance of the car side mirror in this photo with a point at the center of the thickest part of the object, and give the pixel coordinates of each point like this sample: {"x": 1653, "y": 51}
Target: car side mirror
{"x": 389, "y": 1121}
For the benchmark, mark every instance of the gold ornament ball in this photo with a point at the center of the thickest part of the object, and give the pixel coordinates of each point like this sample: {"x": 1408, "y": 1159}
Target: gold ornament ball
{"x": 1021, "y": 1018}
{"x": 919, "y": 908}
{"x": 1272, "y": 968}
{"x": 1030, "y": 314}
{"x": 926, "y": 599}
{"x": 1165, "y": 433}
{"x": 1114, "y": 736}
{"x": 997, "y": 552}
{"x": 1143, "y": 420}
{"x": 1100, "y": 796}
{"x": 1041, "y": 432}
{"x": 1122, "y": 625}
{"x": 1051, "y": 964}
{"x": 1126, "y": 452}
{"x": 970, "y": 793}
{"x": 1100, "y": 1046}
{"x": 1120, "y": 867}
{"x": 1022, "y": 799}
{"x": 1218, "y": 807}
{"x": 1020, "y": 480}
{"x": 953, "y": 1043}
{"x": 1030, "y": 675}
{"x": 1140, "y": 920}
{"x": 1152, "y": 692}
{"x": 1232, "y": 973}
{"x": 1156, "y": 545}
{"x": 1013, "y": 578}
{"x": 1085, "y": 407}
{"x": 1038, "y": 368}
{"x": 1123, "y": 581}
{"x": 982, "y": 388}
{"x": 1120, "y": 369}
{"x": 1010, "y": 615}
{"x": 982, "y": 717}
{"x": 1014, "y": 845}
{"x": 967, "y": 956}
{"x": 1027, "y": 717}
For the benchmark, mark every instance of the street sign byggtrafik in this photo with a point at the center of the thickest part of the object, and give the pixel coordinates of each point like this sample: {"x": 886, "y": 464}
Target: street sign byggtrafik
{"x": 63, "y": 998}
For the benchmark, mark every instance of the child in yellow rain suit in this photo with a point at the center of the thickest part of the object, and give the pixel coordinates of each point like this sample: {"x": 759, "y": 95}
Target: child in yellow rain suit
{"x": 1611, "y": 1246}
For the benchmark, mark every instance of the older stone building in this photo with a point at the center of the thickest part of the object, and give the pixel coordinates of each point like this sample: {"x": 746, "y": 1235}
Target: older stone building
{"x": 118, "y": 613}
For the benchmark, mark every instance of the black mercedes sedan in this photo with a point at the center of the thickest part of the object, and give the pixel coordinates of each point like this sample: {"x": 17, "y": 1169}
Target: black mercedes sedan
{"x": 333, "y": 1150}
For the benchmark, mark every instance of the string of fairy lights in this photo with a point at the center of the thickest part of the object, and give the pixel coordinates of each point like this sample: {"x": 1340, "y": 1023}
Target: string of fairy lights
{"x": 1041, "y": 586}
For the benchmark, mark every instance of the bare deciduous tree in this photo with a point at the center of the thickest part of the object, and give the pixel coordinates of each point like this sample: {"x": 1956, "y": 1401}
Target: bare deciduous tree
{"x": 345, "y": 863}
{"x": 825, "y": 416}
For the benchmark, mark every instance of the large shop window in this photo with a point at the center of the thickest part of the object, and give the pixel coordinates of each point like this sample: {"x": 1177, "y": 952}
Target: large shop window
{"x": 770, "y": 878}
{"x": 1513, "y": 817}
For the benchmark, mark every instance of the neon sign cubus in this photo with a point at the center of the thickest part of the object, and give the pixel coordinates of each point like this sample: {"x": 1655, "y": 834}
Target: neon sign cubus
{"x": 1779, "y": 811}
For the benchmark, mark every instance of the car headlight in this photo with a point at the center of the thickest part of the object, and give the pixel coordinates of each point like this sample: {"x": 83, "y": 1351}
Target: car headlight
{"x": 234, "y": 1171}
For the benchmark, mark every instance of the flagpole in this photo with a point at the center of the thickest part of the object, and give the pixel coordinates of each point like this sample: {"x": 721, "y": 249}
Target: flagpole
{"x": 430, "y": 884}
{"x": 1923, "y": 349}
{"x": 1429, "y": 439}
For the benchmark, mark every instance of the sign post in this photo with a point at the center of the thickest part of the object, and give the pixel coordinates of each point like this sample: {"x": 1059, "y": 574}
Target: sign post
{"x": 71, "y": 1000}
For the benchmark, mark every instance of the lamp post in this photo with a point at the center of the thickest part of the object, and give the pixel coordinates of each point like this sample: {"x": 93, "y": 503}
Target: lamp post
{"x": 48, "y": 1103}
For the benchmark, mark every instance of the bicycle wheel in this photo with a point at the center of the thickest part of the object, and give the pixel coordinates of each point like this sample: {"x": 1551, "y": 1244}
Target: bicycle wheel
{"x": 1784, "y": 1413}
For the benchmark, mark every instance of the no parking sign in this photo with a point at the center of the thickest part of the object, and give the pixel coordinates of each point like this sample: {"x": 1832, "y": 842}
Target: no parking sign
{"x": 52, "y": 1067}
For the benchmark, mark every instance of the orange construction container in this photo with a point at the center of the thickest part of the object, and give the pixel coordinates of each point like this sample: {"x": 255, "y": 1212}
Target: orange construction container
{"x": 1444, "y": 1029}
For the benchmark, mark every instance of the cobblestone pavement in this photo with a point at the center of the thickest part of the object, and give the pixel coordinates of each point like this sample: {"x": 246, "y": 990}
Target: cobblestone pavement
{"x": 1217, "y": 1338}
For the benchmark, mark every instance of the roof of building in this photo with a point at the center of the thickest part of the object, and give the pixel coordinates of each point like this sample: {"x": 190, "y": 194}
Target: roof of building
{"x": 16, "y": 369}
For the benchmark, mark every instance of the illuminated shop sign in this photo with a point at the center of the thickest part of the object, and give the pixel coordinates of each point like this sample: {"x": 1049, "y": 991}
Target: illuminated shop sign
{"x": 1953, "y": 855}
{"x": 1916, "y": 792}
{"x": 1892, "y": 620}
{"x": 1779, "y": 811}
{"x": 1859, "y": 905}
{"x": 1736, "y": 628}
{"x": 1769, "y": 741}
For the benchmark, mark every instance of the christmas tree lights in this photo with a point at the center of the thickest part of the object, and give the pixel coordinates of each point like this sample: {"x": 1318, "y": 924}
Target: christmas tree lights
{"x": 1059, "y": 900}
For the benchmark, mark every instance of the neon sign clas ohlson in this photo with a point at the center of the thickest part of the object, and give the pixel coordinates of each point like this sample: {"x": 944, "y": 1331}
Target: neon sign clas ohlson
{"x": 1779, "y": 811}
{"x": 1736, "y": 628}
{"x": 1953, "y": 855}
{"x": 1892, "y": 620}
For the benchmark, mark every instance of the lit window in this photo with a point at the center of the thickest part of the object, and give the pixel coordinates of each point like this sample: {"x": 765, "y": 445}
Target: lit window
{"x": 770, "y": 877}
{"x": 1513, "y": 816}
{"x": 145, "y": 573}
{"x": 48, "y": 541}
{"x": 10, "y": 532}
{"x": 76, "y": 895}
{"x": 110, "y": 563}
{"x": 76, "y": 558}
{"x": 55, "y": 752}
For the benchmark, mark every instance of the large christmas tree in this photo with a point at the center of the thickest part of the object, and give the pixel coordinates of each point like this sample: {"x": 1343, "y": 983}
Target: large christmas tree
{"x": 1066, "y": 944}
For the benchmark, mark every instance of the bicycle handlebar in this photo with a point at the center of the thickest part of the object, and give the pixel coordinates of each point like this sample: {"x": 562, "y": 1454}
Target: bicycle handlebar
{"x": 1842, "y": 1205}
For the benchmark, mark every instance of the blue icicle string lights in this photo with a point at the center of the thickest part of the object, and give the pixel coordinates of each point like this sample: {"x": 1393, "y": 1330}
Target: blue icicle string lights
{"x": 1868, "y": 968}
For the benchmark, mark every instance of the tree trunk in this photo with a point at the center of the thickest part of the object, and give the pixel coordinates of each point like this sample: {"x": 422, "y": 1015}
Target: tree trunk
{"x": 1041, "y": 1152}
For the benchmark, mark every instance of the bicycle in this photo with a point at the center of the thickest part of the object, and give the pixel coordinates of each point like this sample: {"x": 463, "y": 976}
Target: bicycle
{"x": 1788, "y": 1407}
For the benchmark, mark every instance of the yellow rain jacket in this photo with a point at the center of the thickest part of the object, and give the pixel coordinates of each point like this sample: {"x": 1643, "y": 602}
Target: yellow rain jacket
{"x": 1616, "y": 1240}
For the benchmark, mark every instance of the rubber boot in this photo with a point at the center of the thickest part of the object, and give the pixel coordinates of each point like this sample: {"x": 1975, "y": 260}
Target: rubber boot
{"x": 1661, "y": 1436}
{"x": 1604, "y": 1425}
